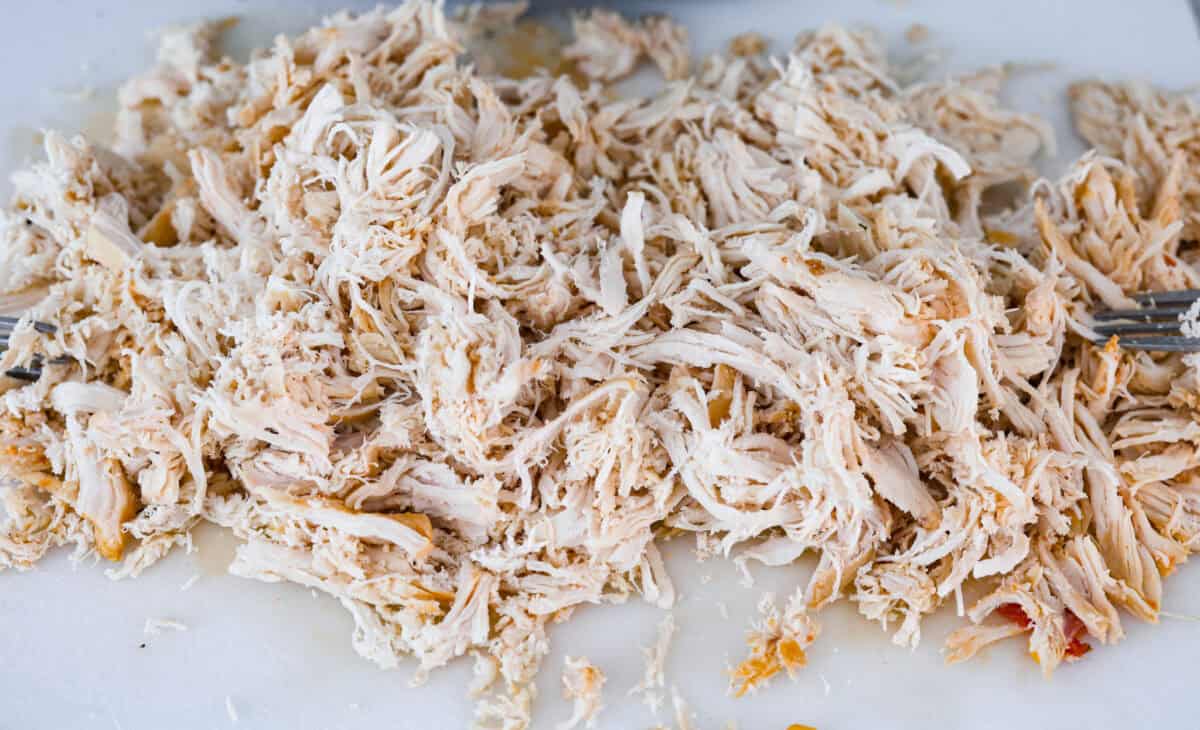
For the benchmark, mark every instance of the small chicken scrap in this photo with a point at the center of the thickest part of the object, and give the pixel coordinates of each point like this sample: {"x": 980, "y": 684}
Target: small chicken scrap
{"x": 582, "y": 683}
{"x": 457, "y": 349}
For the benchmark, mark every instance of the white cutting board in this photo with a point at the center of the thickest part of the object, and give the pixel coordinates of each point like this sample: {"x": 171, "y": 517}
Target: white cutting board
{"x": 70, "y": 654}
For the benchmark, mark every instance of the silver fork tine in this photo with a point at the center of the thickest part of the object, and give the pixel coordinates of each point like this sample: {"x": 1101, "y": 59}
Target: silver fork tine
{"x": 34, "y": 370}
{"x": 1134, "y": 328}
{"x": 30, "y": 374}
{"x": 1161, "y": 344}
{"x": 1146, "y": 314}
{"x": 8, "y": 324}
{"x": 1154, "y": 298}
{"x": 1153, "y": 326}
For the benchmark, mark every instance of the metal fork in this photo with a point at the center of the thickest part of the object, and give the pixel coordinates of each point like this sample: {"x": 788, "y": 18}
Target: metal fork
{"x": 1152, "y": 326}
{"x": 34, "y": 370}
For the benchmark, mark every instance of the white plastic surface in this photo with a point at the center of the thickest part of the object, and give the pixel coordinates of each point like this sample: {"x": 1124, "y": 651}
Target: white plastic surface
{"x": 70, "y": 640}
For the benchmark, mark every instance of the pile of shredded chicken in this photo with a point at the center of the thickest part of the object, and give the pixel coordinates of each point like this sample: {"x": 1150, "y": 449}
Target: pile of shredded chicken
{"x": 458, "y": 348}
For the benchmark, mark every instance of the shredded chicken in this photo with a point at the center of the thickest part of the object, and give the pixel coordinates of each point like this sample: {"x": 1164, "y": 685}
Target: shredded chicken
{"x": 155, "y": 626}
{"x": 1146, "y": 128}
{"x": 683, "y": 714}
{"x": 777, "y": 643}
{"x": 582, "y": 684}
{"x": 456, "y": 348}
{"x": 607, "y": 47}
{"x": 653, "y": 679}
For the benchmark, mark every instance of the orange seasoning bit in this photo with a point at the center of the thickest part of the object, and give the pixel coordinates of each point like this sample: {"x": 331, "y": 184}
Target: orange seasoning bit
{"x": 791, "y": 656}
{"x": 721, "y": 395}
{"x": 1003, "y": 238}
{"x": 753, "y": 672}
{"x": 1076, "y": 649}
{"x": 767, "y": 660}
{"x": 1013, "y": 612}
{"x": 1074, "y": 629}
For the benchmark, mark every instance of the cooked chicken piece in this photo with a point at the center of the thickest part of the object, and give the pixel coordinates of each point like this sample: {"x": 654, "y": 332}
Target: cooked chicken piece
{"x": 777, "y": 643}
{"x": 1147, "y": 128}
{"x": 606, "y": 46}
{"x": 653, "y": 680}
{"x": 666, "y": 43}
{"x": 582, "y": 684}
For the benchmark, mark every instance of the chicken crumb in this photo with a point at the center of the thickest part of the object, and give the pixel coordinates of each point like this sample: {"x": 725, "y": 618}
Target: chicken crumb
{"x": 654, "y": 675}
{"x": 917, "y": 33}
{"x": 582, "y": 684}
{"x": 156, "y": 626}
{"x": 777, "y": 643}
{"x": 746, "y": 45}
{"x": 683, "y": 713}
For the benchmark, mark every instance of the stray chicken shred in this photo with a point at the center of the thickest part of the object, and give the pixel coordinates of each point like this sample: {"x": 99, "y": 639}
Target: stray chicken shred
{"x": 582, "y": 683}
{"x": 458, "y": 349}
{"x": 654, "y": 680}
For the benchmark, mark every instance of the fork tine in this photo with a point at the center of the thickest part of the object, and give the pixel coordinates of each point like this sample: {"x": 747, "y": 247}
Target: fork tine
{"x": 1134, "y": 328}
{"x": 33, "y": 371}
{"x": 8, "y": 324}
{"x": 1155, "y": 298}
{"x": 1153, "y": 326}
{"x": 29, "y": 374}
{"x": 1172, "y": 311}
{"x": 1161, "y": 344}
